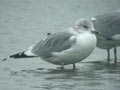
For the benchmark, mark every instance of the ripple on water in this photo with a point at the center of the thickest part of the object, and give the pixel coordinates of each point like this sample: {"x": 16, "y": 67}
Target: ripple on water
{"x": 87, "y": 76}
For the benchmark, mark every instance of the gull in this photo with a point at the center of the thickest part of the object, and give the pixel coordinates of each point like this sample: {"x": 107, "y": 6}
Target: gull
{"x": 64, "y": 47}
{"x": 109, "y": 26}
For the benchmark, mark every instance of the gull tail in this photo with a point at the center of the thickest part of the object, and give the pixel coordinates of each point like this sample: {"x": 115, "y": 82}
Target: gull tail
{"x": 19, "y": 55}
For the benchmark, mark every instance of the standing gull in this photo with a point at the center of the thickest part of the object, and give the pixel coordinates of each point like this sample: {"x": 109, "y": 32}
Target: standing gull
{"x": 109, "y": 26}
{"x": 64, "y": 47}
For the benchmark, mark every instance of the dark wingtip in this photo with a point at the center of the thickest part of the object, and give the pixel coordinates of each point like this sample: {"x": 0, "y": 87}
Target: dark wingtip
{"x": 12, "y": 56}
{"x": 48, "y": 33}
{"x": 4, "y": 59}
{"x": 18, "y": 55}
{"x": 21, "y": 55}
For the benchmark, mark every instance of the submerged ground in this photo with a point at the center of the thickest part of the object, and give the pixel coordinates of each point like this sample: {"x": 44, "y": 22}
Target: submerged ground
{"x": 24, "y": 22}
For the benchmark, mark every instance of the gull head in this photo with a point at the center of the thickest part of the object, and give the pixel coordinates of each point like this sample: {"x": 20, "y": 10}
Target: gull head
{"x": 84, "y": 25}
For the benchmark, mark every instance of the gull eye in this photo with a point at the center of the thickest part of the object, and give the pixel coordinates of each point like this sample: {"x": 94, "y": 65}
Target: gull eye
{"x": 86, "y": 27}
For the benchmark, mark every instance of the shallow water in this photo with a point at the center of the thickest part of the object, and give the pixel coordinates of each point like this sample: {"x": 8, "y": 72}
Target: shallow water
{"x": 94, "y": 75}
{"x": 24, "y": 22}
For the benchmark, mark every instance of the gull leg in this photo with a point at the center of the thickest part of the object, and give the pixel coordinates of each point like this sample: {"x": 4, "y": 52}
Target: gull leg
{"x": 74, "y": 67}
{"x": 115, "y": 55}
{"x": 108, "y": 53}
{"x": 62, "y": 66}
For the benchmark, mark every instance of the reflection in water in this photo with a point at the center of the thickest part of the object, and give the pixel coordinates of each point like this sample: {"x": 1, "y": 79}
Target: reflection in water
{"x": 91, "y": 76}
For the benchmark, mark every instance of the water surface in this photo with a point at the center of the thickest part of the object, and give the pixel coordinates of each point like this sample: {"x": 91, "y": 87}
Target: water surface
{"x": 24, "y": 22}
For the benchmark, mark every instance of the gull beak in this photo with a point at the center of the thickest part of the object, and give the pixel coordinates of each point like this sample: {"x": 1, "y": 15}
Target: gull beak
{"x": 96, "y": 32}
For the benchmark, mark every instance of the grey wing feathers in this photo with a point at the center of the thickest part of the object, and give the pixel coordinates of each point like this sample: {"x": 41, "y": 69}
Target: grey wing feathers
{"x": 108, "y": 24}
{"x": 54, "y": 43}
